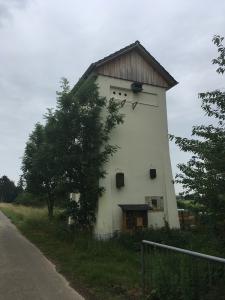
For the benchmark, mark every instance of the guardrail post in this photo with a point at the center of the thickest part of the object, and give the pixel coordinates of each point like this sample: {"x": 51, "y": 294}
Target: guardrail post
{"x": 142, "y": 269}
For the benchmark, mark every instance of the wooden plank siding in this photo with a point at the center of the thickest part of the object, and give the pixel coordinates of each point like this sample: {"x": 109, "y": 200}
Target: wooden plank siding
{"x": 132, "y": 66}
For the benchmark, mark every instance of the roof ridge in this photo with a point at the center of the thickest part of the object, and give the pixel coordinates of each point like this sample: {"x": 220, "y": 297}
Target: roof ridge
{"x": 107, "y": 57}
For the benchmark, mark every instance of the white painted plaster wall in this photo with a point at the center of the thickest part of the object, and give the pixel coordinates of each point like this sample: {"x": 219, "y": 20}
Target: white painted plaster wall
{"x": 143, "y": 142}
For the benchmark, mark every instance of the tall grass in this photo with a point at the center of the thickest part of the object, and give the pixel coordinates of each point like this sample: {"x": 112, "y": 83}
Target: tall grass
{"x": 111, "y": 269}
{"x": 170, "y": 275}
{"x": 99, "y": 269}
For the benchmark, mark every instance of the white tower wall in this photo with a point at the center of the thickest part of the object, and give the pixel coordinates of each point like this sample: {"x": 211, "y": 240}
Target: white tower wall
{"x": 143, "y": 142}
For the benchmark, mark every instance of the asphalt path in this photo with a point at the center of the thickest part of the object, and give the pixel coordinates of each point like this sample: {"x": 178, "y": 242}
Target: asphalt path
{"x": 25, "y": 273}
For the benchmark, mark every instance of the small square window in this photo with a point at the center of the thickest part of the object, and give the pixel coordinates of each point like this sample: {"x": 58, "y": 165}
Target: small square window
{"x": 154, "y": 203}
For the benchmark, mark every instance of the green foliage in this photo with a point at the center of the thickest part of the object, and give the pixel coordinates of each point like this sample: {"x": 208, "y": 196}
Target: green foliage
{"x": 88, "y": 120}
{"x": 69, "y": 152}
{"x": 220, "y": 60}
{"x": 40, "y": 168}
{"x": 204, "y": 174}
{"x": 177, "y": 276}
{"x": 190, "y": 205}
{"x": 98, "y": 269}
{"x": 29, "y": 199}
{"x": 8, "y": 190}
{"x": 111, "y": 269}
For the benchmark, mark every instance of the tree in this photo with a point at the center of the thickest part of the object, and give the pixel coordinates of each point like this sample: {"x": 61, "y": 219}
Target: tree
{"x": 8, "y": 190}
{"x": 68, "y": 153}
{"x": 83, "y": 121}
{"x": 40, "y": 169}
{"x": 204, "y": 174}
{"x": 20, "y": 185}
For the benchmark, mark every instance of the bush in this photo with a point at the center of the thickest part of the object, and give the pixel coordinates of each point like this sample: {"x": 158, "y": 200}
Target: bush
{"x": 29, "y": 199}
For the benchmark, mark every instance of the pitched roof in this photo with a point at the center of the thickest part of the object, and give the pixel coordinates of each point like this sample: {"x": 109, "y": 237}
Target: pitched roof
{"x": 148, "y": 57}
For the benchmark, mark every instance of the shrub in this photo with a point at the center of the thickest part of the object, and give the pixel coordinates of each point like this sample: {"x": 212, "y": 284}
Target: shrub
{"x": 29, "y": 199}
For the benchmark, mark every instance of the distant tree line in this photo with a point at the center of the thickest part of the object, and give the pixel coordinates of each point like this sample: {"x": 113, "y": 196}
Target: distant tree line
{"x": 8, "y": 190}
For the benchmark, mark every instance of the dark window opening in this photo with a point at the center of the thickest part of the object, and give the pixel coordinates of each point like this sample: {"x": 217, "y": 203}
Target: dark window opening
{"x": 154, "y": 203}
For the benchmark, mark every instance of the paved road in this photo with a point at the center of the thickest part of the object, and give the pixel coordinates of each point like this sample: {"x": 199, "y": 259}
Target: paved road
{"x": 25, "y": 274}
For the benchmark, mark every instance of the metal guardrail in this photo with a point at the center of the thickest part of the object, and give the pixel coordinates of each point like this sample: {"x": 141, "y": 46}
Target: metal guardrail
{"x": 186, "y": 274}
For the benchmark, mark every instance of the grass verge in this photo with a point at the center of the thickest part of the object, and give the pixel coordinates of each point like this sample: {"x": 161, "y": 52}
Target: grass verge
{"x": 111, "y": 269}
{"x": 98, "y": 269}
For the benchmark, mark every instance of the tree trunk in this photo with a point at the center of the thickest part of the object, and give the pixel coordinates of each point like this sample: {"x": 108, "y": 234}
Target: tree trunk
{"x": 50, "y": 203}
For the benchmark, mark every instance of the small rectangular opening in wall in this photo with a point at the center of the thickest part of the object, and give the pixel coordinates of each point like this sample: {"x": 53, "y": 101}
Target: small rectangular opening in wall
{"x": 120, "y": 93}
{"x": 119, "y": 180}
{"x": 143, "y": 99}
{"x": 156, "y": 203}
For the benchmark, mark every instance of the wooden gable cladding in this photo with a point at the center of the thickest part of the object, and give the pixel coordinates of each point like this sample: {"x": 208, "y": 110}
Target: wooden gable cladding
{"x": 132, "y": 66}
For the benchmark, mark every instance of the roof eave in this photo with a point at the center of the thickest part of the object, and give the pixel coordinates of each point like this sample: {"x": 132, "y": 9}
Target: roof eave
{"x": 158, "y": 67}
{"x": 155, "y": 64}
